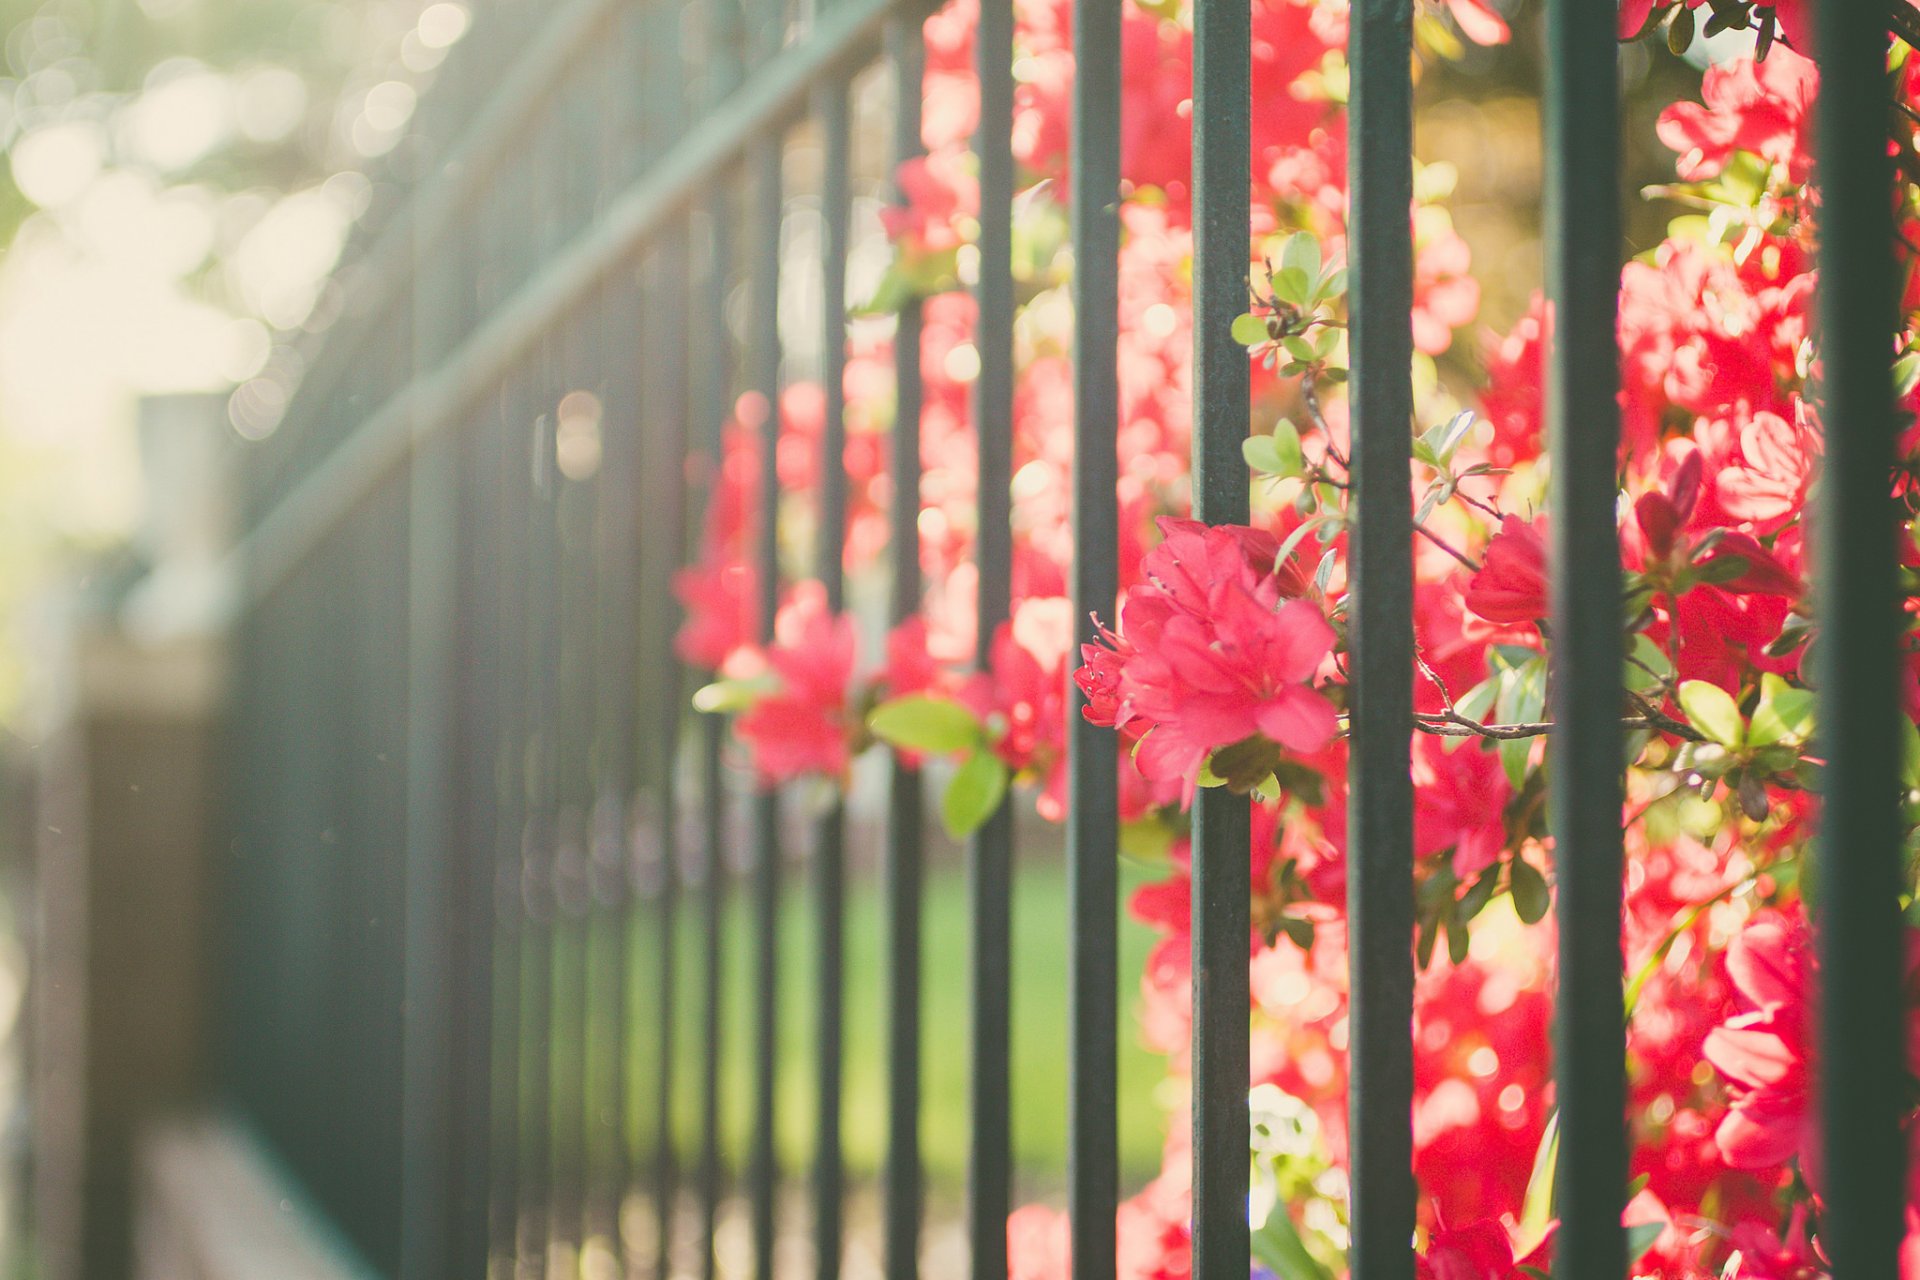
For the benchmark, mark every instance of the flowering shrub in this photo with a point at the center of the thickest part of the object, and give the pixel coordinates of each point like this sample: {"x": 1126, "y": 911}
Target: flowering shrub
{"x": 1221, "y": 664}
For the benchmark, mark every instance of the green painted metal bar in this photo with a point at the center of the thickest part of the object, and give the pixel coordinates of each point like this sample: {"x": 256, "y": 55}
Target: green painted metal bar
{"x": 537, "y": 849}
{"x": 1586, "y": 752}
{"x": 763, "y": 373}
{"x": 716, "y": 409}
{"x": 431, "y": 1062}
{"x": 723, "y": 41}
{"x": 1863, "y": 1087}
{"x": 1380, "y": 636}
{"x": 1222, "y": 907}
{"x": 990, "y": 849}
{"x": 900, "y": 1244}
{"x": 507, "y": 531}
{"x": 1093, "y": 810}
{"x": 829, "y": 845}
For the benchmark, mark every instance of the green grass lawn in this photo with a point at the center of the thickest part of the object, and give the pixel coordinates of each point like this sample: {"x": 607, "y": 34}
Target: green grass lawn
{"x": 1040, "y": 1072}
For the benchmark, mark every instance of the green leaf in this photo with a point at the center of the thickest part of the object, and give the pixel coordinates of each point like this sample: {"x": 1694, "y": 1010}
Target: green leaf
{"x": 1640, "y": 1238}
{"x": 729, "y": 697}
{"x": 1477, "y": 701}
{"x": 1146, "y": 840}
{"x": 1277, "y": 1247}
{"x": 1721, "y": 569}
{"x": 917, "y": 722}
{"x": 1783, "y": 714}
{"x": 1250, "y": 330}
{"x": 1910, "y": 753}
{"x": 1299, "y": 535}
{"x": 1301, "y": 253}
{"x": 1261, "y": 455}
{"x": 1290, "y": 285}
{"x": 1441, "y": 439}
{"x": 1286, "y": 441}
{"x": 1530, "y": 897}
{"x": 973, "y": 795}
{"x": 1298, "y": 929}
{"x": 1648, "y": 665}
{"x": 1275, "y": 455}
{"x": 1523, "y": 696}
{"x": 1323, "y": 572}
{"x": 1906, "y": 374}
{"x": 1712, "y": 711}
{"x": 1475, "y": 899}
{"x": 1536, "y": 1209}
{"x": 1680, "y": 31}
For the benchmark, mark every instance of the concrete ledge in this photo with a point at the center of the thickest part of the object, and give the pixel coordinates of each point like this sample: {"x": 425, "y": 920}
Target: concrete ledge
{"x": 212, "y": 1204}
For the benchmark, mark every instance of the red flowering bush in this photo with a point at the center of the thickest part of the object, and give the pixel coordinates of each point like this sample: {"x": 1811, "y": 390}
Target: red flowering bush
{"x": 1221, "y": 664}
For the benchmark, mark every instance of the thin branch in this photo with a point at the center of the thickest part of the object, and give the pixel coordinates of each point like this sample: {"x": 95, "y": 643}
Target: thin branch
{"x": 1479, "y": 504}
{"x": 1465, "y": 559}
{"x": 1451, "y": 724}
{"x": 1446, "y": 695}
{"x": 1658, "y": 719}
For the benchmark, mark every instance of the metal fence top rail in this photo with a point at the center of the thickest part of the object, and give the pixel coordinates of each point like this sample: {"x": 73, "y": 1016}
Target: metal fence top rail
{"x": 842, "y": 36}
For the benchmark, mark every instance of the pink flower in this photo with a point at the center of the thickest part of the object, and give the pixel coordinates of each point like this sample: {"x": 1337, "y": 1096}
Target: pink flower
{"x": 718, "y": 599}
{"x": 1765, "y": 1053}
{"x": 1478, "y": 1251}
{"x": 804, "y": 726}
{"x": 1511, "y": 586}
{"x": 1460, "y": 797}
{"x": 1760, "y": 107}
{"x": 1216, "y": 656}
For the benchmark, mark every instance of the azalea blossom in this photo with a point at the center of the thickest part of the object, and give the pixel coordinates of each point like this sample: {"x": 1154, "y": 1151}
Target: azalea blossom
{"x": 1213, "y": 655}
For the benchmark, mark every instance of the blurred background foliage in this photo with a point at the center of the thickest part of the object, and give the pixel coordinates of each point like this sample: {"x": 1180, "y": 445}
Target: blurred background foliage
{"x": 181, "y": 176}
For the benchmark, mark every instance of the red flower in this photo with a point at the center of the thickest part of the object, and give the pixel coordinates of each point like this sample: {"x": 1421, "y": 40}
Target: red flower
{"x": 1216, "y": 655}
{"x": 1478, "y": 1251}
{"x": 1759, "y": 107}
{"x": 1765, "y": 1053}
{"x": 1460, "y": 797}
{"x": 719, "y": 602}
{"x": 803, "y": 728}
{"x": 1511, "y": 586}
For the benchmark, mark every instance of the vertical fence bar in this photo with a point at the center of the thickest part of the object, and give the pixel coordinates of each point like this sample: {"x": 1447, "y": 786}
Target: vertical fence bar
{"x": 476, "y": 833}
{"x": 1858, "y": 848}
{"x": 1222, "y": 893}
{"x": 716, "y": 409}
{"x": 906, "y": 58}
{"x": 1586, "y": 780}
{"x": 667, "y": 390}
{"x": 990, "y": 851}
{"x": 577, "y": 503}
{"x": 722, "y": 25}
{"x": 508, "y": 533}
{"x": 536, "y": 886}
{"x": 617, "y": 664}
{"x": 431, "y": 888}
{"x": 617, "y": 669}
{"x": 1093, "y": 812}
{"x": 829, "y": 852}
{"x": 1380, "y": 792}
{"x": 666, "y": 384}
{"x": 763, "y": 357}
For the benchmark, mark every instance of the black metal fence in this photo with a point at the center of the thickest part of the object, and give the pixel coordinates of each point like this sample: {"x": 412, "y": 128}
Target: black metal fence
{"x": 463, "y": 759}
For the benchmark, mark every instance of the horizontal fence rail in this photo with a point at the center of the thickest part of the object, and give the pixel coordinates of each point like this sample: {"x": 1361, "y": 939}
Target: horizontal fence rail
{"x": 498, "y": 883}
